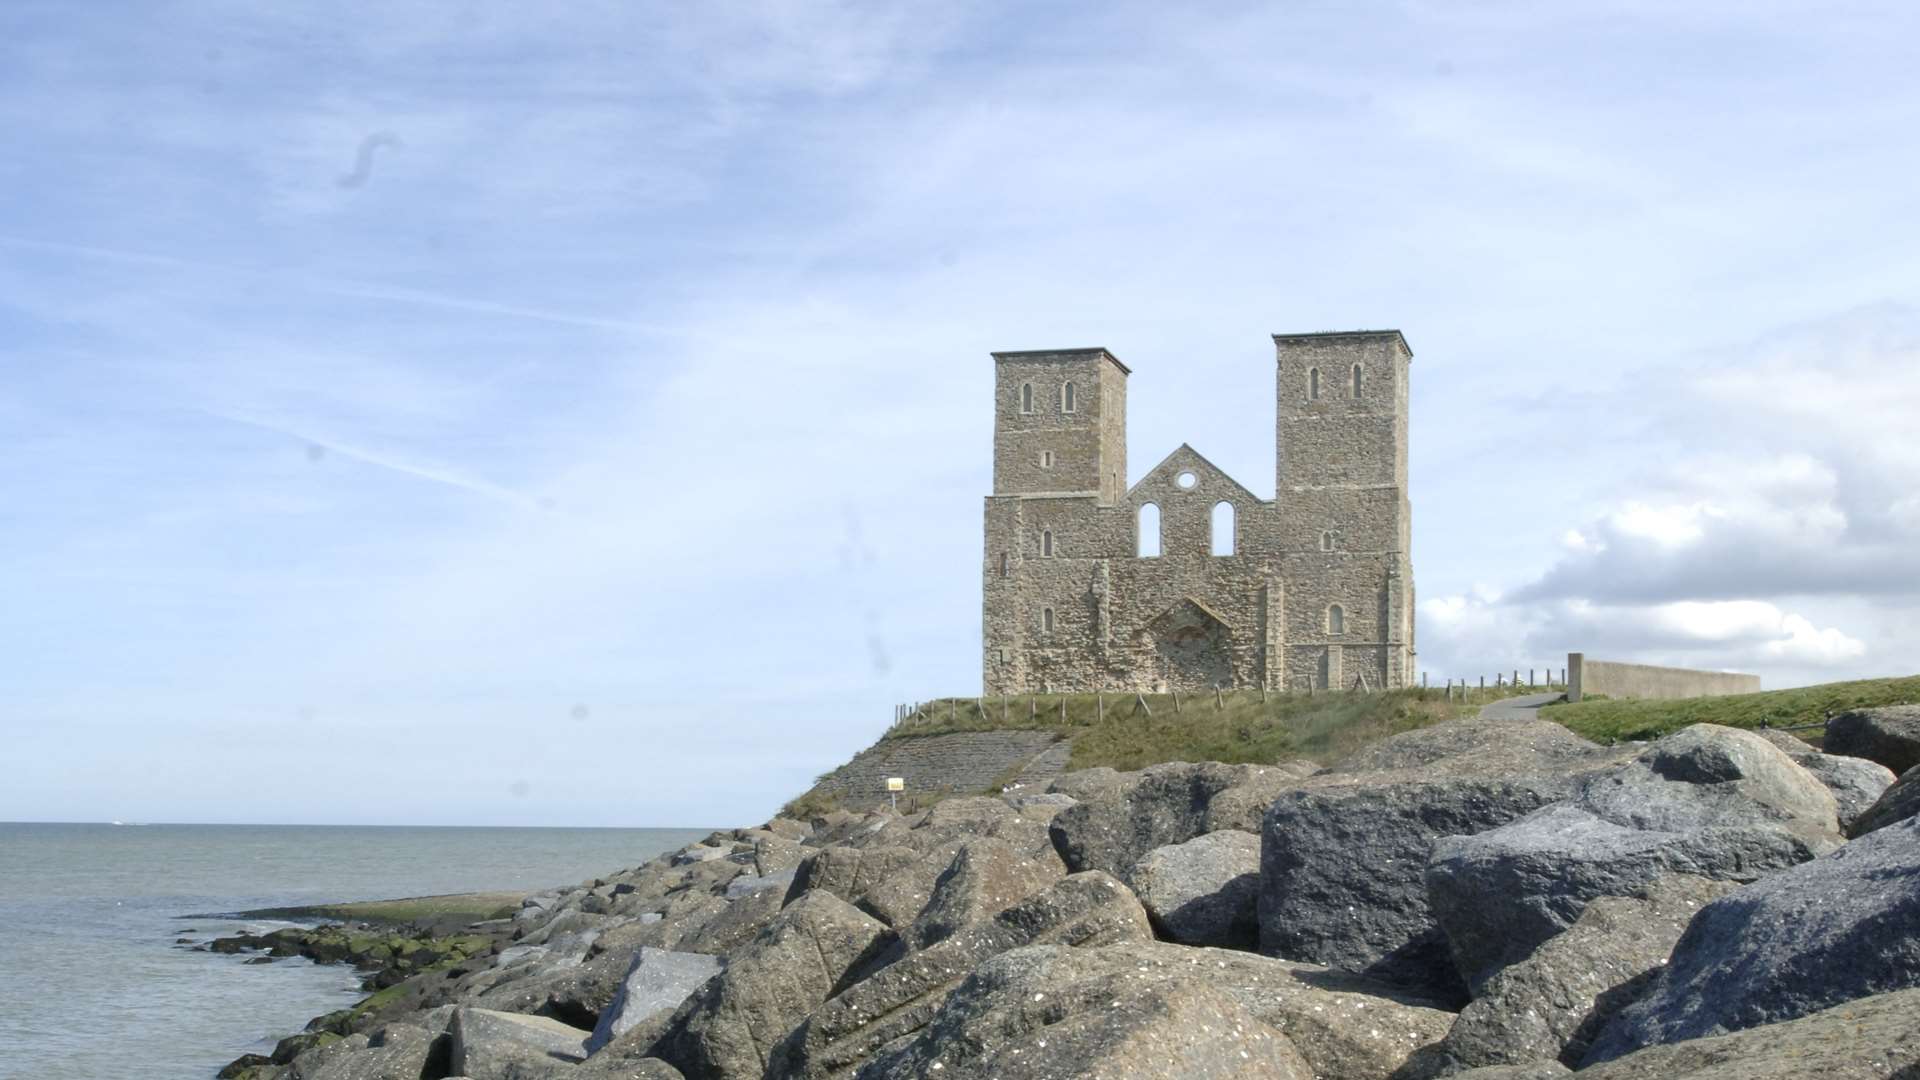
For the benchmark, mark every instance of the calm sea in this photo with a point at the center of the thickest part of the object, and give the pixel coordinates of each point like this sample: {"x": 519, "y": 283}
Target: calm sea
{"x": 92, "y": 984}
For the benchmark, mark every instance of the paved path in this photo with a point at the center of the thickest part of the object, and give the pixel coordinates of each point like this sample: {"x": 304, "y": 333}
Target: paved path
{"x": 1524, "y": 707}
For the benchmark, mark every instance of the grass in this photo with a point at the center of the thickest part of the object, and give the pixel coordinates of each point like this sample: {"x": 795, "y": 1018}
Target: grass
{"x": 446, "y": 910}
{"x": 1633, "y": 718}
{"x": 1113, "y": 729}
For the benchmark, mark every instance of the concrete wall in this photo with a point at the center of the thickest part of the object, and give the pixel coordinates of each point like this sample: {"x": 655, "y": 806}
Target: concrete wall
{"x": 1617, "y": 680}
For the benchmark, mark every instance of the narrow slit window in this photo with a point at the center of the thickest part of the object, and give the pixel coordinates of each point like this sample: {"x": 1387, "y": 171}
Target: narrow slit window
{"x": 1046, "y": 543}
{"x": 1003, "y": 564}
{"x": 1359, "y": 381}
{"x": 1336, "y": 620}
{"x": 1147, "y": 545}
{"x": 1046, "y": 459}
{"x": 1222, "y": 526}
{"x": 1326, "y": 540}
{"x": 1067, "y": 400}
{"x": 1046, "y": 620}
{"x": 1026, "y": 397}
{"x": 1313, "y": 384}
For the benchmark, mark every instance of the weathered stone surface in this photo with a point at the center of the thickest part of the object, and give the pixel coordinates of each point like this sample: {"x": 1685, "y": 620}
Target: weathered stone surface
{"x": 1037, "y": 1014}
{"x": 984, "y": 878}
{"x": 1538, "y": 1070}
{"x": 1548, "y": 1006}
{"x": 623, "y": 1069}
{"x": 746, "y": 885}
{"x": 1854, "y": 782}
{"x": 1083, "y": 909}
{"x": 1113, "y": 828}
{"x": 489, "y": 1045}
{"x": 1708, "y": 801}
{"x": 774, "y": 855}
{"x": 1899, "y": 802}
{"x": 1844, "y": 926}
{"x": 1084, "y": 783}
{"x": 732, "y": 925}
{"x": 1871, "y": 1038}
{"x": 1205, "y": 891}
{"x": 574, "y": 993}
{"x": 311, "y": 1063}
{"x": 395, "y": 1052}
{"x": 1889, "y": 735}
{"x": 730, "y": 1025}
{"x": 1478, "y": 748}
{"x": 656, "y": 981}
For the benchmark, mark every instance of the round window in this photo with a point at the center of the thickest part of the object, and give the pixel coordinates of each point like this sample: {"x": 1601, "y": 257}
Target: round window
{"x": 1186, "y": 479}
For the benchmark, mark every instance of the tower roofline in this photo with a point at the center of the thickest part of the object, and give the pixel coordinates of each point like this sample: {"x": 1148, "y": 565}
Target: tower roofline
{"x": 1064, "y": 354}
{"x": 1323, "y": 335}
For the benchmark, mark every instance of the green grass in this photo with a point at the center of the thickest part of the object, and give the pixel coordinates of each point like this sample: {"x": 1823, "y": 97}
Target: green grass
{"x": 448, "y": 909}
{"x": 1624, "y": 719}
{"x": 1236, "y": 727}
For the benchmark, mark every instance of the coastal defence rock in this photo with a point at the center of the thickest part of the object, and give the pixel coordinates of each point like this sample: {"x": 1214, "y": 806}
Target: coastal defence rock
{"x": 1889, "y": 735}
{"x": 1117, "y": 823}
{"x": 984, "y": 878}
{"x": 1086, "y": 909}
{"x": 490, "y": 1045}
{"x": 1871, "y": 1038}
{"x": 1853, "y": 781}
{"x": 1205, "y": 891}
{"x": 1045, "y": 1012}
{"x": 1343, "y": 854}
{"x": 656, "y": 981}
{"x": 1844, "y": 926}
{"x": 1708, "y": 801}
{"x": 1548, "y": 1006}
{"x": 730, "y": 1025}
{"x": 1899, "y": 802}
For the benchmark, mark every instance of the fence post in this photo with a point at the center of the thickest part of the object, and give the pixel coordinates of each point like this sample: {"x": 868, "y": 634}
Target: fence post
{"x": 1003, "y": 708}
{"x": 1100, "y": 706}
{"x": 1217, "y": 704}
{"x": 1483, "y": 682}
{"x": 1176, "y": 702}
{"x": 1140, "y": 702}
{"x": 1063, "y": 710}
{"x": 1033, "y": 707}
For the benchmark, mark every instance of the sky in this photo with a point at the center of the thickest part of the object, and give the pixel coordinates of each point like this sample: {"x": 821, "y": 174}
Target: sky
{"x": 495, "y": 413}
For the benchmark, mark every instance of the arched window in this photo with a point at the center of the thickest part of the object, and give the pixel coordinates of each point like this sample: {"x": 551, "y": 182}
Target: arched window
{"x": 1046, "y": 620}
{"x": 1046, "y": 543}
{"x": 1067, "y": 402}
{"x": 1359, "y": 381}
{"x": 1026, "y": 397}
{"x": 1222, "y": 526}
{"x": 1313, "y": 384}
{"x": 1326, "y": 540}
{"x": 1336, "y": 620}
{"x": 1147, "y": 537}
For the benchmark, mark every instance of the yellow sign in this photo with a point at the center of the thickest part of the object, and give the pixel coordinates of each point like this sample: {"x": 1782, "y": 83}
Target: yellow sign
{"x": 896, "y": 783}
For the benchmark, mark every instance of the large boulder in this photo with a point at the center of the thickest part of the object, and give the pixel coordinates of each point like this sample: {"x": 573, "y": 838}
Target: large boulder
{"x": 1854, "y": 782}
{"x": 1086, "y": 909}
{"x": 1205, "y": 891}
{"x": 984, "y": 878}
{"x": 1343, "y": 853}
{"x": 1708, "y": 801}
{"x": 394, "y": 1052}
{"x": 490, "y": 1045}
{"x": 1042, "y": 1013}
{"x": 1898, "y": 803}
{"x": 1872, "y": 1038}
{"x": 1549, "y": 1005}
{"x": 729, "y": 1026}
{"x": 1844, "y": 926}
{"x": 1534, "y": 1070}
{"x": 1112, "y": 828}
{"x": 656, "y": 981}
{"x": 1889, "y": 735}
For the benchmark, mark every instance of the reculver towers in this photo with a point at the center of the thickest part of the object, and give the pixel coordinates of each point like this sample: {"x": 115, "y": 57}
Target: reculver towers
{"x": 1187, "y": 580}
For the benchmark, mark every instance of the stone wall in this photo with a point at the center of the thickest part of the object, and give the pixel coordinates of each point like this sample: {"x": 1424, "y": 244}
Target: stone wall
{"x": 965, "y": 763}
{"x": 1618, "y": 680}
{"x": 1070, "y": 604}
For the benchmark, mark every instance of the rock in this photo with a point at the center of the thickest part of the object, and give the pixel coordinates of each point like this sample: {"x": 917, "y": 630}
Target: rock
{"x": 1708, "y": 801}
{"x": 244, "y": 1066}
{"x": 1854, "y": 782}
{"x": 1538, "y": 1070}
{"x": 774, "y": 856}
{"x": 1037, "y": 1014}
{"x": 628, "y": 1069}
{"x": 656, "y": 981}
{"x": 1083, "y": 783}
{"x": 699, "y": 853}
{"x": 746, "y": 886}
{"x": 395, "y": 1052}
{"x": 1889, "y": 735}
{"x": 1548, "y": 1006}
{"x": 1844, "y": 926}
{"x": 984, "y": 878}
{"x": 1041, "y": 806}
{"x": 1082, "y": 909}
{"x": 732, "y": 925}
{"x": 1898, "y": 803}
{"x": 1477, "y": 747}
{"x": 900, "y": 897}
{"x": 730, "y": 1025}
{"x": 1872, "y": 1038}
{"x": 311, "y": 1063}
{"x": 787, "y": 827}
{"x": 490, "y": 1045}
{"x": 1113, "y": 828}
{"x": 849, "y": 872}
{"x": 1205, "y": 891}
{"x": 572, "y": 993}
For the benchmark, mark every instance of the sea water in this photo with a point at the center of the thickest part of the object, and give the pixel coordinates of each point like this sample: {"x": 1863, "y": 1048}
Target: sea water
{"x": 94, "y": 985}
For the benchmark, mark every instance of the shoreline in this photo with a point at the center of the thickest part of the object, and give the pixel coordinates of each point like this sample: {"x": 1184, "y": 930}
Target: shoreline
{"x": 438, "y": 913}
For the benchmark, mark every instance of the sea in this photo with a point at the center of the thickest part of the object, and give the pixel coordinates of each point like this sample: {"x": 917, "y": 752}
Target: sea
{"x": 98, "y": 977}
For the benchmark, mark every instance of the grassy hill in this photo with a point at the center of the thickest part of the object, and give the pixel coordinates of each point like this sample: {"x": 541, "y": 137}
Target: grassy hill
{"x": 1605, "y": 720}
{"x": 1241, "y": 726}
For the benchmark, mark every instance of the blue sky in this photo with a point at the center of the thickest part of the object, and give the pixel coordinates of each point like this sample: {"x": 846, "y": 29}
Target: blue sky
{"x": 475, "y": 414}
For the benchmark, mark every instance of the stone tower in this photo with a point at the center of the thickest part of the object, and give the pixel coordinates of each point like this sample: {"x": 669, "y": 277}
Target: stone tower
{"x": 1187, "y": 580}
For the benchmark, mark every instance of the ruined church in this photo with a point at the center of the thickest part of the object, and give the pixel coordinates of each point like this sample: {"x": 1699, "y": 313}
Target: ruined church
{"x": 1187, "y": 580}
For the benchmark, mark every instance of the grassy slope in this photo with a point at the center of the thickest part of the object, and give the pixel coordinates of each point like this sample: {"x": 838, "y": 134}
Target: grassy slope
{"x": 1240, "y": 727}
{"x": 1610, "y": 720}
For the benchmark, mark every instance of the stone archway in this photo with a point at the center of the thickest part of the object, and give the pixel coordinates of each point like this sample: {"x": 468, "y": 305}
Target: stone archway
{"x": 1191, "y": 648}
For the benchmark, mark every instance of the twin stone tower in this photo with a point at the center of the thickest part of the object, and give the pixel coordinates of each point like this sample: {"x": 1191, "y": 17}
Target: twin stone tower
{"x": 1187, "y": 580}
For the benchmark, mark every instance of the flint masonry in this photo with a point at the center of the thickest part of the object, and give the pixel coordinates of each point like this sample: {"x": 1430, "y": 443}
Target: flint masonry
{"x": 1187, "y": 580}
